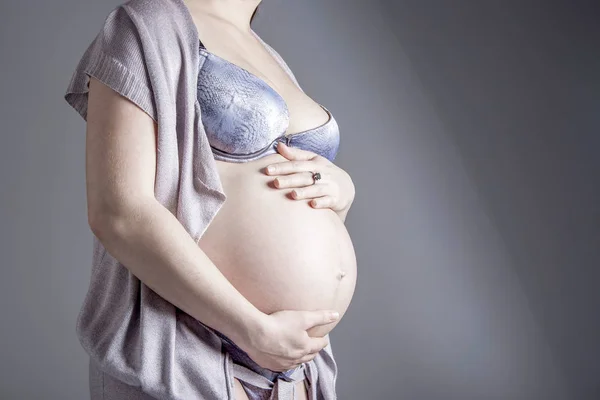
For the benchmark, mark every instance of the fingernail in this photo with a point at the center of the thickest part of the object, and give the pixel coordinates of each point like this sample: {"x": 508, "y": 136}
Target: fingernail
{"x": 335, "y": 315}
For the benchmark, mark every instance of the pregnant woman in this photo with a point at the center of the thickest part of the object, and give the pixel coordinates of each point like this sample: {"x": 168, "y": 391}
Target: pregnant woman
{"x": 281, "y": 254}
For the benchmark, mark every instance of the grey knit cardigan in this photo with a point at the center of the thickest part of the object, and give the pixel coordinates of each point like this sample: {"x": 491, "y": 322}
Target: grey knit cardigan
{"x": 147, "y": 50}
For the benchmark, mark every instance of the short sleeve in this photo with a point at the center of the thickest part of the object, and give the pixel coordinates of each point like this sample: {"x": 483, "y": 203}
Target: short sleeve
{"x": 116, "y": 58}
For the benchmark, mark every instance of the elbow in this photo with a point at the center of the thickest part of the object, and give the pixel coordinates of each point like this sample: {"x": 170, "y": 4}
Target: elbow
{"x": 116, "y": 218}
{"x": 101, "y": 221}
{"x": 107, "y": 221}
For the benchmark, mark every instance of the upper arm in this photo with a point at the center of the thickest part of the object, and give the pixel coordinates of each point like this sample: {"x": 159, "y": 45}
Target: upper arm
{"x": 120, "y": 152}
{"x": 112, "y": 91}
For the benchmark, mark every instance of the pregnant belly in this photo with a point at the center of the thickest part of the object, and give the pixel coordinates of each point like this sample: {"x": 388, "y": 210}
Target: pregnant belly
{"x": 278, "y": 252}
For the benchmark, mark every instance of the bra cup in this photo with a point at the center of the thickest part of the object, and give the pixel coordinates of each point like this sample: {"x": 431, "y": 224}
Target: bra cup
{"x": 243, "y": 116}
{"x": 240, "y": 115}
{"x": 324, "y": 140}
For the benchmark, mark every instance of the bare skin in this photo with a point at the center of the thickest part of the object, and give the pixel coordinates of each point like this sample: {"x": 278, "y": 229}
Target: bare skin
{"x": 136, "y": 229}
{"x": 146, "y": 237}
{"x": 223, "y": 27}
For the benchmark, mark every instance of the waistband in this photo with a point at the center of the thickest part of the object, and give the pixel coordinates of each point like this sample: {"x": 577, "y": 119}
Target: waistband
{"x": 240, "y": 357}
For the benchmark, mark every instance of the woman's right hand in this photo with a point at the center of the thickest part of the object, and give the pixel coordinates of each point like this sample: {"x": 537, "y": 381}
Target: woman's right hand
{"x": 282, "y": 342}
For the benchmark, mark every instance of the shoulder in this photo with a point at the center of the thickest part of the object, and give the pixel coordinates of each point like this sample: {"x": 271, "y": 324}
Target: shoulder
{"x": 148, "y": 9}
{"x": 152, "y": 16}
{"x": 135, "y": 38}
{"x": 148, "y": 28}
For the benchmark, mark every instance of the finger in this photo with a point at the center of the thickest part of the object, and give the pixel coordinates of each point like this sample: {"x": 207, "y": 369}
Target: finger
{"x": 317, "y": 344}
{"x": 305, "y": 180}
{"x": 312, "y": 191}
{"x": 321, "y": 317}
{"x": 291, "y": 166}
{"x": 299, "y": 179}
{"x": 324, "y": 202}
{"x": 307, "y": 357}
{"x": 294, "y": 153}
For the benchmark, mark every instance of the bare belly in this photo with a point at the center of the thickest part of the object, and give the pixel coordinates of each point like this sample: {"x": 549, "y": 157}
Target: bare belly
{"x": 278, "y": 252}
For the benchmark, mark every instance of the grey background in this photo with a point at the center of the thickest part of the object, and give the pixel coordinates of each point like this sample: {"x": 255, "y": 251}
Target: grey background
{"x": 470, "y": 131}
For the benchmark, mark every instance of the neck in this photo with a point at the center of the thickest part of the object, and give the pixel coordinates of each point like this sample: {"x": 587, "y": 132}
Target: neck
{"x": 235, "y": 12}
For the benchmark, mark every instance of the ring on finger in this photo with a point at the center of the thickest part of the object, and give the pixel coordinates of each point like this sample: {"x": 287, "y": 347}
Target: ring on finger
{"x": 316, "y": 176}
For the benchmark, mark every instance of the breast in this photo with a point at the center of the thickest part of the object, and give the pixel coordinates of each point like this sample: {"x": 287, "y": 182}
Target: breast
{"x": 244, "y": 117}
{"x": 280, "y": 253}
{"x": 240, "y": 113}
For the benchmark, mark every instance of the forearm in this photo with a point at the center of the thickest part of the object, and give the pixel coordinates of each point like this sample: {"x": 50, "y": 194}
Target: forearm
{"x": 156, "y": 248}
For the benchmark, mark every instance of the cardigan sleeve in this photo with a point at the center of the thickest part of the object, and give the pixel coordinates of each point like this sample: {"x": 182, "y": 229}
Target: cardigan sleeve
{"x": 116, "y": 58}
{"x": 130, "y": 332}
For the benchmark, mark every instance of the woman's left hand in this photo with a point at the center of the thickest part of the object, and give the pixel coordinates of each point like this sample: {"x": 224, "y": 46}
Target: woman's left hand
{"x": 334, "y": 190}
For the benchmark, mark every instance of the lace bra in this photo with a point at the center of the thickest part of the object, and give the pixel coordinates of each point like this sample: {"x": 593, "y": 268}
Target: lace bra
{"x": 244, "y": 117}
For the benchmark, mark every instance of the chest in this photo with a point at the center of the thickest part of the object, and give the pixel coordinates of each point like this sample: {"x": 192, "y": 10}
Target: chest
{"x": 244, "y": 115}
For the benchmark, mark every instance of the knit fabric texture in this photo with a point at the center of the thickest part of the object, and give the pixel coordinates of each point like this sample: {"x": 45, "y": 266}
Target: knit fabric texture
{"x": 147, "y": 50}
